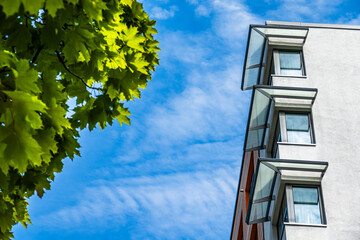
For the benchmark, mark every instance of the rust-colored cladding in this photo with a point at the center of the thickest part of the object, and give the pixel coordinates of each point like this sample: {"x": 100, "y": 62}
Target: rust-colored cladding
{"x": 241, "y": 230}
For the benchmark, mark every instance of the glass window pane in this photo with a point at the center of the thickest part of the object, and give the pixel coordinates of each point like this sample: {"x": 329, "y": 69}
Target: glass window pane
{"x": 253, "y": 59}
{"x": 259, "y": 109}
{"x": 290, "y": 60}
{"x": 264, "y": 182}
{"x": 297, "y": 122}
{"x": 306, "y": 205}
{"x": 254, "y": 138}
{"x": 291, "y": 72}
{"x": 298, "y": 137}
{"x": 256, "y": 46}
{"x": 305, "y": 195}
{"x": 258, "y": 211}
{"x": 298, "y": 128}
{"x": 250, "y": 77}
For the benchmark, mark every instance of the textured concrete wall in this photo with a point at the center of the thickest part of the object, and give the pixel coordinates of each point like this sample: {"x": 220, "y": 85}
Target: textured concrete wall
{"x": 332, "y": 61}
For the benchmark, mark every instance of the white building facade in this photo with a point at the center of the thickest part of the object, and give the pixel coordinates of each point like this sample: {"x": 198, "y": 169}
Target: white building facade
{"x": 300, "y": 176}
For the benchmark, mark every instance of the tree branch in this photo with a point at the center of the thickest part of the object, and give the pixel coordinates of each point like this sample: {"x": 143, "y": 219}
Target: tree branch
{"x": 74, "y": 74}
{"x": 37, "y": 53}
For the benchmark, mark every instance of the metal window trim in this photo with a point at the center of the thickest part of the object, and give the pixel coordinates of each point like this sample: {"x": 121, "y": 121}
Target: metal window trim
{"x": 259, "y": 127}
{"x": 294, "y": 161}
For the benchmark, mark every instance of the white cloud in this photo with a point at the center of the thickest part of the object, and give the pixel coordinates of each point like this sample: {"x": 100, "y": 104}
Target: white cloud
{"x": 304, "y": 10}
{"x": 211, "y": 107}
{"x": 185, "y": 48}
{"x": 162, "y": 13}
{"x": 233, "y": 19}
{"x": 202, "y": 10}
{"x": 353, "y": 21}
{"x": 163, "y": 205}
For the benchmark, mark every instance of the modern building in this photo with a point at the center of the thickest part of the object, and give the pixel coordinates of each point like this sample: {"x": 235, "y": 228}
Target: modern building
{"x": 300, "y": 175}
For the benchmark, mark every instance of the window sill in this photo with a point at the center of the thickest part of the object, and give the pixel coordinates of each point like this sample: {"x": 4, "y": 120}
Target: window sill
{"x": 298, "y": 144}
{"x": 305, "y": 225}
{"x": 288, "y": 76}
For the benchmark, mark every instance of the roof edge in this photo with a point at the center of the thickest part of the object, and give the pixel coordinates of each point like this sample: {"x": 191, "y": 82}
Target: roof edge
{"x": 313, "y": 25}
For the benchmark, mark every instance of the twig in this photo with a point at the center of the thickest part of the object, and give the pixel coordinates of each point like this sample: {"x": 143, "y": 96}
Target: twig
{"x": 37, "y": 53}
{"x": 74, "y": 74}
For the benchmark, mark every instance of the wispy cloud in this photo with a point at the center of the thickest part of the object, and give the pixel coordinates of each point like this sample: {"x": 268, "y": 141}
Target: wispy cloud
{"x": 233, "y": 19}
{"x": 179, "y": 47}
{"x": 162, "y": 13}
{"x": 163, "y": 205}
{"x": 350, "y": 20}
{"x": 304, "y": 10}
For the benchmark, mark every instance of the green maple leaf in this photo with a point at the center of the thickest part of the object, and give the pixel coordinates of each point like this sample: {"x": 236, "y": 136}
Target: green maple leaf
{"x": 127, "y": 2}
{"x": 33, "y": 6}
{"x": 138, "y": 63}
{"x": 93, "y": 8}
{"x": 81, "y": 115}
{"x": 73, "y": 1}
{"x": 20, "y": 38}
{"x": 133, "y": 39}
{"x": 54, "y": 5}
{"x": 46, "y": 139}
{"x": 69, "y": 143}
{"x": 51, "y": 34}
{"x": 123, "y": 115}
{"x": 77, "y": 41}
{"x": 10, "y": 7}
{"x": 4, "y": 166}
{"x": 6, "y": 58}
{"x": 26, "y": 77}
{"x": 26, "y": 107}
{"x": 24, "y": 150}
{"x": 21, "y": 213}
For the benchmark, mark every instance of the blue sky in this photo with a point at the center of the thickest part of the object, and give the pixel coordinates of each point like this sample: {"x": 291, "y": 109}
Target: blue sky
{"x": 173, "y": 174}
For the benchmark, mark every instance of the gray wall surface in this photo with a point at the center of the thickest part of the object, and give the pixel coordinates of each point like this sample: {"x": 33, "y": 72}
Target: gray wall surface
{"x": 332, "y": 61}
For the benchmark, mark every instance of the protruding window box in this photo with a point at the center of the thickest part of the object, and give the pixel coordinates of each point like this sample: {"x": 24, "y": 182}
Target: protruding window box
{"x": 264, "y": 38}
{"x": 266, "y": 173}
{"x": 266, "y": 97}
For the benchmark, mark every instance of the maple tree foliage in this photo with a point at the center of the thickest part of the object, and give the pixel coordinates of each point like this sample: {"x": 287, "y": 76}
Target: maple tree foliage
{"x": 97, "y": 52}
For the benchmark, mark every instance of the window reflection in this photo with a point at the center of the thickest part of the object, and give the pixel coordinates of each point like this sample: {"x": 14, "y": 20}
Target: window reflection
{"x": 290, "y": 63}
{"x": 298, "y": 128}
{"x": 306, "y": 205}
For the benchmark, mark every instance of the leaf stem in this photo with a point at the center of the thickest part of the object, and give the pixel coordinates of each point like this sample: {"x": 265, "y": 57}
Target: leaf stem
{"x": 74, "y": 74}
